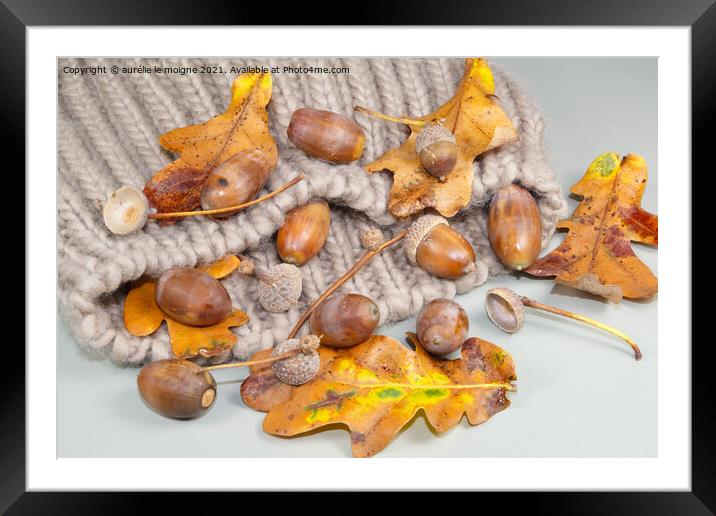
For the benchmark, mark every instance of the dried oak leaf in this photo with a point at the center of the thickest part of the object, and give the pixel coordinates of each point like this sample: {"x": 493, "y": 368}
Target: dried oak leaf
{"x": 203, "y": 147}
{"x": 379, "y": 386}
{"x": 142, "y": 316}
{"x": 478, "y": 123}
{"x": 596, "y": 254}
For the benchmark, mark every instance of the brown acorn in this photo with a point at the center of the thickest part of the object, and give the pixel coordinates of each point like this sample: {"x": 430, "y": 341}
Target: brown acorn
{"x": 514, "y": 226}
{"x": 193, "y": 297}
{"x": 437, "y": 248}
{"x": 442, "y": 326}
{"x": 326, "y": 135}
{"x": 303, "y": 233}
{"x": 437, "y": 150}
{"x": 236, "y": 181}
{"x": 177, "y": 388}
{"x": 344, "y": 320}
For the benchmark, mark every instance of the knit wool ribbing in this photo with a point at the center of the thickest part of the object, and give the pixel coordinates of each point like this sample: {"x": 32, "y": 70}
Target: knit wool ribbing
{"x": 108, "y": 131}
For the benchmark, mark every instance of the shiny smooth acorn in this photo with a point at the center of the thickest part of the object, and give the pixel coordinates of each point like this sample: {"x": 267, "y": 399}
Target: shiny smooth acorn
{"x": 344, "y": 320}
{"x": 193, "y": 297}
{"x": 177, "y": 388}
{"x": 442, "y": 326}
{"x": 303, "y": 233}
{"x": 514, "y": 227}
{"x": 326, "y": 135}
{"x": 437, "y": 248}
{"x": 437, "y": 150}
{"x": 236, "y": 181}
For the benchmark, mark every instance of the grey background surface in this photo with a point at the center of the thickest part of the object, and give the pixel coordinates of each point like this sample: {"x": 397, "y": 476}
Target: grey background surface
{"x": 580, "y": 392}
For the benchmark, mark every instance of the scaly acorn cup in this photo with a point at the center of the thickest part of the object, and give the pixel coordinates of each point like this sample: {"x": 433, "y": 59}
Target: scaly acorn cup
{"x": 438, "y": 249}
{"x": 279, "y": 287}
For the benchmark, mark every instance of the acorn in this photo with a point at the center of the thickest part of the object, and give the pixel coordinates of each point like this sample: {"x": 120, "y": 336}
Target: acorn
{"x": 304, "y": 232}
{"x": 514, "y": 227}
{"x": 279, "y": 287}
{"x": 193, "y": 297}
{"x": 326, "y": 135}
{"x": 126, "y": 210}
{"x": 437, "y": 149}
{"x": 344, "y": 320}
{"x": 442, "y": 326}
{"x": 177, "y": 388}
{"x": 437, "y": 248}
{"x": 300, "y": 368}
{"x": 236, "y": 181}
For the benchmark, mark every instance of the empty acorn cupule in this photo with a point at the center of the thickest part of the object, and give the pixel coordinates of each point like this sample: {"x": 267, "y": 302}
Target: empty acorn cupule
{"x": 506, "y": 310}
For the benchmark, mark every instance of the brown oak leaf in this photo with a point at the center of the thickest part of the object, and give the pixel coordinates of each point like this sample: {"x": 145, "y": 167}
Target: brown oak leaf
{"x": 596, "y": 255}
{"x": 142, "y": 317}
{"x": 203, "y": 147}
{"x": 378, "y": 387}
{"x": 478, "y": 123}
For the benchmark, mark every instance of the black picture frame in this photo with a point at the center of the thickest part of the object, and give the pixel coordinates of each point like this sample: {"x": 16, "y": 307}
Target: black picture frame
{"x": 17, "y": 15}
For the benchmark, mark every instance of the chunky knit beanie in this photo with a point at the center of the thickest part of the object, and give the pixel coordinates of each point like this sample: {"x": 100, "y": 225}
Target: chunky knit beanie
{"x": 109, "y": 126}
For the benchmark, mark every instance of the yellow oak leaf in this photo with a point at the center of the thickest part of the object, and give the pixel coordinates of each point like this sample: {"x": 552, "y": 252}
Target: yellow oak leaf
{"x": 142, "y": 317}
{"x": 596, "y": 255}
{"x": 203, "y": 147}
{"x": 478, "y": 124}
{"x": 378, "y": 387}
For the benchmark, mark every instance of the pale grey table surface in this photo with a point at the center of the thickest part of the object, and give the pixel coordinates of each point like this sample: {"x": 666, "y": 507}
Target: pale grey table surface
{"x": 581, "y": 394}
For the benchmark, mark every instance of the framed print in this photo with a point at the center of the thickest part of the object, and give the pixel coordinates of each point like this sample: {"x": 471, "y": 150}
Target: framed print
{"x": 433, "y": 248}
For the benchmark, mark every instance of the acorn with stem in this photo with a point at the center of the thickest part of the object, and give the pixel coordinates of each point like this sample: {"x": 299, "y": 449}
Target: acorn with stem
{"x": 506, "y": 310}
{"x": 127, "y": 209}
{"x": 435, "y": 144}
{"x": 181, "y": 389}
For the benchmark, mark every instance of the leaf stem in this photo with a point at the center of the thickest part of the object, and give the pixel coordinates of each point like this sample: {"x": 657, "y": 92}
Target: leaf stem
{"x": 229, "y": 209}
{"x": 249, "y": 363}
{"x": 369, "y": 255}
{"x": 540, "y": 306}
{"x": 382, "y": 116}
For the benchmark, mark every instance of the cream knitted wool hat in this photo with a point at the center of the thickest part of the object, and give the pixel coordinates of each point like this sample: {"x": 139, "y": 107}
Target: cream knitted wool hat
{"x": 109, "y": 127}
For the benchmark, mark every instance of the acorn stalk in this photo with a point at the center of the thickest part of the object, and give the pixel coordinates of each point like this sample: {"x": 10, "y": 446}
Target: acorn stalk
{"x": 506, "y": 310}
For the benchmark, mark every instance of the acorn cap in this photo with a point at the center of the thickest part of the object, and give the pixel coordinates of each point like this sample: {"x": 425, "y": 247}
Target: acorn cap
{"x": 505, "y": 309}
{"x": 420, "y": 228}
{"x": 430, "y": 134}
{"x": 298, "y": 369}
{"x": 126, "y": 210}
{"x": 371, "y": 238}
{"x": 279, "y": 287}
